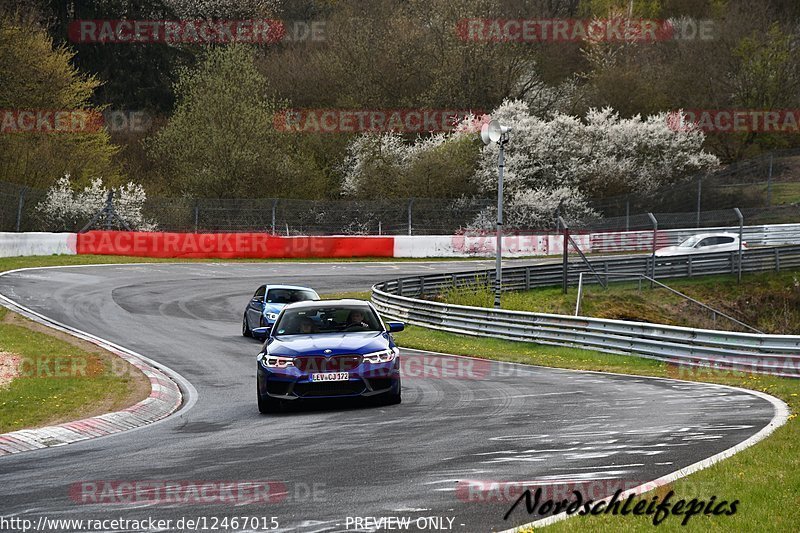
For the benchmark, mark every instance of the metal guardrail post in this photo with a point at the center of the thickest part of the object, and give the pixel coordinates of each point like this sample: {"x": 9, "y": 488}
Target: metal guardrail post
{"x": 741, "y": 233}
{"x": 769, "y": 183}
{"x": 274, "y": 210}
{"x": 580, "y": 295}
{"x": 20, "y": 205}
{"x": 565, "y": 266}
{"x": 410, "y": 206}
{"x": 627, "y": 213}
{"x": 655, "y": 244}
{"x": 699, "y": 197}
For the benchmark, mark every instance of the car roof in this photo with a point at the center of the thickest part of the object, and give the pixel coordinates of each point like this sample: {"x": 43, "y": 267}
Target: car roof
{"x": 717, "y": 234}
{"x": 318, "y": 303}
{"x": 289, "y": 287}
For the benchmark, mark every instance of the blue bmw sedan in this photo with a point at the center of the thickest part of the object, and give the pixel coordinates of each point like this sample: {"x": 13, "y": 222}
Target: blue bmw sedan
{"x": 267, "y": 302}
{"x": 328, "y": 349}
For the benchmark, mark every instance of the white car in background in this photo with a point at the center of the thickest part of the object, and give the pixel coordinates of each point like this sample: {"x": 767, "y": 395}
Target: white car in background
{"x": 704, "y": 243}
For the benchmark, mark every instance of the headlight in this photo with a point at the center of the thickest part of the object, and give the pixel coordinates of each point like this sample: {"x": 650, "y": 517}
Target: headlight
{"x": 274, "y": 361}
{"x": 384, "y": 356}
{"x": 271, "y": 316}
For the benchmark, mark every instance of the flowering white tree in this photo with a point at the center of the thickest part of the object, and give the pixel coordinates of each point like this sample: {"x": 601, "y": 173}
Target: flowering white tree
{"x": 564, "y": 160}
{"x": 387, "y": 153}
{"x": 63, "y": 208}
{"x": 552, "y": 163}
{"x": 601, "y": 155}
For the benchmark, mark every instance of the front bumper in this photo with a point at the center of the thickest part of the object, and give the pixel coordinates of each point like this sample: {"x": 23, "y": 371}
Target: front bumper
{"x": 367, "y": 379}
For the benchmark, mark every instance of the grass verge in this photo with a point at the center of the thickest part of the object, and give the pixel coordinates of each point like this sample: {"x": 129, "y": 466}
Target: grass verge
{"x": 767, "y": 301}
{"x": 61, "y": 378}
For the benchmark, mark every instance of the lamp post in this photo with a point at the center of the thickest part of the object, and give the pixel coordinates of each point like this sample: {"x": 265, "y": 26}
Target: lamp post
{"x": 494, "y": 132}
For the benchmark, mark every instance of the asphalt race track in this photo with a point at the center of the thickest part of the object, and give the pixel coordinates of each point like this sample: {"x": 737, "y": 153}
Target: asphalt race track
{"x": 496, "y": 422}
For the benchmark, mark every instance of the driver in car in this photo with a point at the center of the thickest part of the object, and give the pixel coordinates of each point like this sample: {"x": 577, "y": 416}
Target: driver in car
{"x": 307, "y": 326}
{"x": 356, "y": 318}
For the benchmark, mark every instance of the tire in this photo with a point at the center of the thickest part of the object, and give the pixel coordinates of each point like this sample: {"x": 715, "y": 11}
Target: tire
{"x": 391, "y": 397}
{"x": 246, "y": 332}
{"x": 267, "y": 405}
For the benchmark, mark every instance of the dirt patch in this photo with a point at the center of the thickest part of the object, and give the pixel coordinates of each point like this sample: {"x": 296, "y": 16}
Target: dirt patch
{"x": 9, "y": 368}
{"x": 138, "y": 383}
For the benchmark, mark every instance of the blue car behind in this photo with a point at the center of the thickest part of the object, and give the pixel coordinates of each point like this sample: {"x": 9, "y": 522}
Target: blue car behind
{"x": 328, "y": 349}
{"x": 267, "y": 303}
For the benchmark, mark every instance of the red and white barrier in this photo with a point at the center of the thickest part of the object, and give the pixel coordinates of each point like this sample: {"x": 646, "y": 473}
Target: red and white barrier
{"x": 229, "y": 245}
{"x": 266, "y": 246}
{"x": 36, "y": 243}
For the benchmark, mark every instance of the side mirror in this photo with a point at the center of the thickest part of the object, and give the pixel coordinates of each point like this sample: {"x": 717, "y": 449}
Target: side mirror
{"x": 394, "y": 327}
{"x": 261, "y": 333}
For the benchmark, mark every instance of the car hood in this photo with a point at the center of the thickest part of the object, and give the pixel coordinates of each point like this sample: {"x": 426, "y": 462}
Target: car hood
{"x": 273, "y": 308}
{"x": 360, "y": 342}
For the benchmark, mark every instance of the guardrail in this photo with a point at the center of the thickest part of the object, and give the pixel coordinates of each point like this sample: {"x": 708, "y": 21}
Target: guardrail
{"x": 775, "y": 354}
{"x": 631, "y": 241}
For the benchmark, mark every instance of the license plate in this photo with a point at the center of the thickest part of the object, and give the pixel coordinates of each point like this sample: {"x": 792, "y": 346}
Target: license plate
{"x": 331, "y": 376}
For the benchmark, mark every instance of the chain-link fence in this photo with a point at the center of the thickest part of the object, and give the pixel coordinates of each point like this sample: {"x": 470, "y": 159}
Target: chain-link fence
{"x": 767, "y": 189}
{"x": 770, "y": 180}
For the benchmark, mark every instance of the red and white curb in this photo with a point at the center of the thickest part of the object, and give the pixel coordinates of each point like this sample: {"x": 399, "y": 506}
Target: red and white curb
{"x": 165, "y": 397}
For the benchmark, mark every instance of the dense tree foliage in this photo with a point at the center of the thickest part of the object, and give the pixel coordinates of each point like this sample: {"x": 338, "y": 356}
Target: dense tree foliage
{"x": 38, "y": 77}
{"x": 216, "y": 106}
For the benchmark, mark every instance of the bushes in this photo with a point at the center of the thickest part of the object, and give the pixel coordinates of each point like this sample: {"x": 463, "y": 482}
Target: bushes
{"x": 63, "y": 209}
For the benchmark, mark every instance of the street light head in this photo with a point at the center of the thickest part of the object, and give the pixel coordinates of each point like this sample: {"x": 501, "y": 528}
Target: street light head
{"x": 493, "y": 132}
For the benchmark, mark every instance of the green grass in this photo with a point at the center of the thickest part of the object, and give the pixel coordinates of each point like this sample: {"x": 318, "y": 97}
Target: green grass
{"x": 58, "y": 381}
{"x": 784, "y": 193}
{"x": 520, "y": 352}
{"x": 769, "y": 302}
{"x": 358, "y": 295}
{"x": 765, "y": 478}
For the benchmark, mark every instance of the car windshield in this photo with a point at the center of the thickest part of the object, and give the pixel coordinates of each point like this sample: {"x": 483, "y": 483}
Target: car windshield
{"x": 288, "y": 296}
{"x": 327, "y": 319}
{"x": 690, "y": 242}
